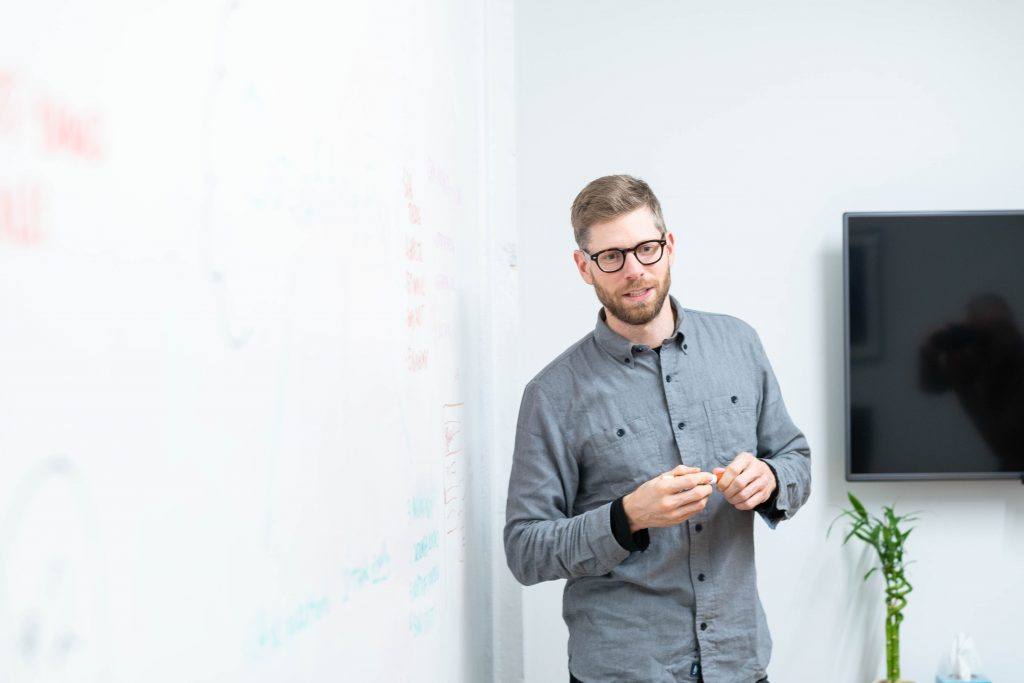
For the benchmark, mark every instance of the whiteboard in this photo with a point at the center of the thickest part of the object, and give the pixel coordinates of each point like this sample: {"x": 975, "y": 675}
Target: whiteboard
{"x": 256, "y": 297}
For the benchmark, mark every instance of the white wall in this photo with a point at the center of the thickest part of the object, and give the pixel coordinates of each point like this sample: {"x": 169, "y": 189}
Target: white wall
{"x": 758, "y": 124}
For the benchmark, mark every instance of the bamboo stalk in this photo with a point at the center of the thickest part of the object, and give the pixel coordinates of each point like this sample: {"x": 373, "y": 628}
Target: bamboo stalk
{"x": 888, "y": 540}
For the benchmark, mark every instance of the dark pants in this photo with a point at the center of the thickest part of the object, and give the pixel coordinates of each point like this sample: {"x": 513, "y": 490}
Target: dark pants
{"x": 573, "y": 679}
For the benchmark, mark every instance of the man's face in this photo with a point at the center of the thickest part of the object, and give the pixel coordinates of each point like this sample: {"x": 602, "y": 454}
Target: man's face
{"x": 614, "y": 289}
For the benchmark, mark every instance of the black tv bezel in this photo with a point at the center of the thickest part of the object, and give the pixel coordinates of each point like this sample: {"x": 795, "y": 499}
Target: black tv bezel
{"x": 897, "y": 476}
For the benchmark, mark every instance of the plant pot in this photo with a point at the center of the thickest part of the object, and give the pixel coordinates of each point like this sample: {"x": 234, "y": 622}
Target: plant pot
{"x": 974, "y": 679}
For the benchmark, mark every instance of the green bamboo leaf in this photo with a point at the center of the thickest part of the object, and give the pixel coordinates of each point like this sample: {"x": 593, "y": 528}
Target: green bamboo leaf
{"x": 842, "y": 514}
{"x": 889, "y": 515}
{"x": 873, "y": 569}
{"x": 857, "y": 505}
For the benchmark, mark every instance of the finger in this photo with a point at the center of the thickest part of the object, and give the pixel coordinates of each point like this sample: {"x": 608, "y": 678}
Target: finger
{"x": 680, "y": 470}
{"x": 688, "y": 510}
{"x": 743, "y": 498}
{"x": 745, "y": 478}
{"x": 668, "y": 482}
{"x": 690, "y": 495}
{"x": 688, "y": 481}
{"x": 729, "y": 474}
{"x": 738, "y": 466}
{"x": 756, "y": 470}
{"x": 718, "y": 472}
{"x": 759, "y": 495}
{"x": 760, "y": 483}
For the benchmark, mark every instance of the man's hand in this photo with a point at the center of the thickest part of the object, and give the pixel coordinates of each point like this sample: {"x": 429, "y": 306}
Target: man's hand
{"x": 746, "y": 482}
{"x": 669, "y": 498}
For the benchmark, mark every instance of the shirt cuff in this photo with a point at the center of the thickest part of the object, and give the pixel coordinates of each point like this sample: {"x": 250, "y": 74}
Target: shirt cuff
{"x": 620, "y": 529}
{"x": 769, "y": 504}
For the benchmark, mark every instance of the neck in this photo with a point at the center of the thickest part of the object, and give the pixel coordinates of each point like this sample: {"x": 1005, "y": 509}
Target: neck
{"x": 651, "y": 334}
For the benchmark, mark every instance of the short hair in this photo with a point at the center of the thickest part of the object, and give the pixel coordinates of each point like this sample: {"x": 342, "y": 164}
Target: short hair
{"x": 609, "y": 197}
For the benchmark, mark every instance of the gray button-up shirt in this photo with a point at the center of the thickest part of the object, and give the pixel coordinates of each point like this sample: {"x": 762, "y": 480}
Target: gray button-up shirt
{"x": 606, "y": 416}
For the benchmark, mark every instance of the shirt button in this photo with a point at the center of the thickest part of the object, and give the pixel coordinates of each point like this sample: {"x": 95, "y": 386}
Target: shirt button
{"x": 703, "y": 626}
{"x": 684, "y": 346}
{"x": 700, "y": 577}
{"x": 668, "y": 378}
{"x": 638, "y": 349}
{"x": 682, "y": 425}
{"x": 734, "y": 399}
{"x": 698, "y": 527}
{"x": 625, "y": 360}
{"x": 620, "y": 432}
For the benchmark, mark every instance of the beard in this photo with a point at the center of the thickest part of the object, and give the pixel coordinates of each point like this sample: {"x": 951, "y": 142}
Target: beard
{"x": 636, "y": 313}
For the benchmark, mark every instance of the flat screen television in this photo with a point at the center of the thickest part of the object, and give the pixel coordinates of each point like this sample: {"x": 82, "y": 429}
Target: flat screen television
{"x": 934, "y": 345}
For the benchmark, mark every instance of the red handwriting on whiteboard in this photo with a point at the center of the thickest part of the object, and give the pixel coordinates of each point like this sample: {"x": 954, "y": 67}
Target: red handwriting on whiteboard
{"x": 416, "y": 357}
{"x": 414, "y": 284}
{"x": 414, "y": 317}
{"x": 444, "y": 182}
{"x": 414, "y": 250}
{"x": 444, "y": 281}
{"x": 68, "y": 131}
{"x": 416, "y": 360}
{"x": 444, "y": 241}
{"x": 414, "y": 210}
{"x": 21, "y": 211}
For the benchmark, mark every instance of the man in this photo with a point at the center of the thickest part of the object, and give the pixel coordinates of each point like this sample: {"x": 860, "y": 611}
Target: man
{"x": 618, "y": 446}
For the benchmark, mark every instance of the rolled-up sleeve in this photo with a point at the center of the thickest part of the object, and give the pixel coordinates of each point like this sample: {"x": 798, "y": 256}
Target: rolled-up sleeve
{"x": 781, "y": 442}
{"x": 542, "y": 541}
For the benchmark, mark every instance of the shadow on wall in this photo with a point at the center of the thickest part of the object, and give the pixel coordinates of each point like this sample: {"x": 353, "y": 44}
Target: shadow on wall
{"x": 835, "y": 424}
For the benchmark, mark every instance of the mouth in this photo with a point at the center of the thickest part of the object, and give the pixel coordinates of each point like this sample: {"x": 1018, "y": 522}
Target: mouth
{"x": 639, "y": 294}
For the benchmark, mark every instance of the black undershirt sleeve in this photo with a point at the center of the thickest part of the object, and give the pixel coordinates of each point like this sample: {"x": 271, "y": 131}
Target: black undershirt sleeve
{"x": 620, "y": 529}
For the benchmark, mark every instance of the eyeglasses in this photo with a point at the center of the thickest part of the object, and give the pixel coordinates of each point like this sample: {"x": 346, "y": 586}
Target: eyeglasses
{"x": 611, "y": 260}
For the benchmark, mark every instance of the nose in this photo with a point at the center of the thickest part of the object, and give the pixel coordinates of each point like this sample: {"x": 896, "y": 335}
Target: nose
{"x": 632, "y": 266}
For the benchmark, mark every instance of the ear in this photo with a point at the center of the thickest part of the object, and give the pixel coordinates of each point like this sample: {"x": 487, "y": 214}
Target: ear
{"x": 583, "y": 266}
{"x": 670, "y": 247}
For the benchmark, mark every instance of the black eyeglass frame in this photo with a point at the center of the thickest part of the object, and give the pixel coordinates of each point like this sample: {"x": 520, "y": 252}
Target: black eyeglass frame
{"x": 625, "y": 252}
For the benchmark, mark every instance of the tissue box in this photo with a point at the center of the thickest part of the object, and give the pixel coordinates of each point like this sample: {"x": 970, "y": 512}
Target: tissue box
{"x": 974, "y": 679}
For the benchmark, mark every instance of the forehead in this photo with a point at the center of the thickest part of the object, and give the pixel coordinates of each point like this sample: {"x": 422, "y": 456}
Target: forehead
{"x": 624, "y": 231}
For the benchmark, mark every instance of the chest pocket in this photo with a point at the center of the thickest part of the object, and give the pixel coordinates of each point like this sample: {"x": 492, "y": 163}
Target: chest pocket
{"x": 619, "y": 457}
{"x": 733, "y": 423}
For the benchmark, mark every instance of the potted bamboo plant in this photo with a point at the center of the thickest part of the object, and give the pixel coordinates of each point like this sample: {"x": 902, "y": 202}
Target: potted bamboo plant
{"x": 887, "y": 538}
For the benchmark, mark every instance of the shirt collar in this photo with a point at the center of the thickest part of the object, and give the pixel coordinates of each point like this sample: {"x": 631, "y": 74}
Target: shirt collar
{"x": 623, "y": 350}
